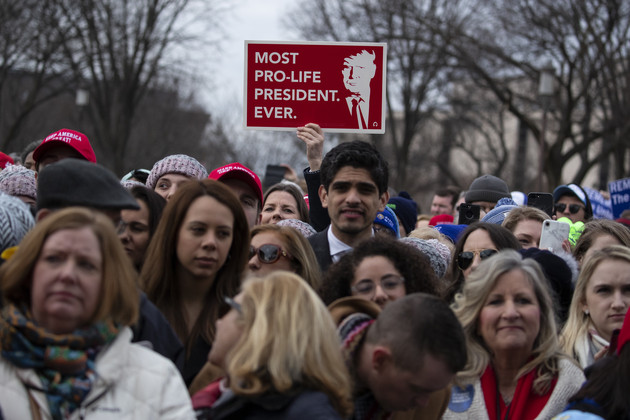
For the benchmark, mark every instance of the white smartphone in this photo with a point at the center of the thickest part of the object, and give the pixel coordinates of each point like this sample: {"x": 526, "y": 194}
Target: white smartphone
{"x": 553, "y": 234}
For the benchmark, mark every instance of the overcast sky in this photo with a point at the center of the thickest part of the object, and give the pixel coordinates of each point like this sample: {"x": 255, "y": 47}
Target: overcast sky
{"x": 249, "y": 20}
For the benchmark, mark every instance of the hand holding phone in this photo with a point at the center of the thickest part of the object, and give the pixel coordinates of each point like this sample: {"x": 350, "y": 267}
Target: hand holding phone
{"x": 468, "y": 213}
{"x": 553, "y": 234}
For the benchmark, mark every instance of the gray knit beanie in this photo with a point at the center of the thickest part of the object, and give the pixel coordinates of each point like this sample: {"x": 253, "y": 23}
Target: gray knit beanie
{"x": 15, "y": 221}
{"x": 17, "y": 180}
{"x": 176, "y": 164}
{"x": 437, "y": 259}
{"x": 304, "y": 228}
{"x": 487, "y": 188}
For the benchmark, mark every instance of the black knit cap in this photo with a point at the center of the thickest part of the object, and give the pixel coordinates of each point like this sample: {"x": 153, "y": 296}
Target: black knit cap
{"x": 487, "y": 188}
{"x": 77, "y": 182}
{"x": 558, "y": 275}
{"x": 406, "y": 209}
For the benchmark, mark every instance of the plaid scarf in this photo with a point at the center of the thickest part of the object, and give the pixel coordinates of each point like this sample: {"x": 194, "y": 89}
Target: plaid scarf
{"x": 63, "y": 362}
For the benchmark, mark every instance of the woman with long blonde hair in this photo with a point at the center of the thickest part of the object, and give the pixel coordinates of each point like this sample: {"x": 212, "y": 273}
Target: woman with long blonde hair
{"x": 280, "y": 351}
{"x": 515, "y": 368}
{"x": 600, "y": 302}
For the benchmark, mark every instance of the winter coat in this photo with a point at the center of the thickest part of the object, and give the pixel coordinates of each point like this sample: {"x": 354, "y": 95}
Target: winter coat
{"x": 305, "y": 405}
{"x": 133, "y": 383}
{"x": 570, "y": 379}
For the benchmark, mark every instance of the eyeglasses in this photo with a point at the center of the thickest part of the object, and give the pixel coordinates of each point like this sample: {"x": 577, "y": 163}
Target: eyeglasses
{"x": 573, "y": 208}
{"x": 233, "y": 304}
{"x": 268, "y": 253}
{"x": 465, "y": 259}
{"x": 389, "y": 284}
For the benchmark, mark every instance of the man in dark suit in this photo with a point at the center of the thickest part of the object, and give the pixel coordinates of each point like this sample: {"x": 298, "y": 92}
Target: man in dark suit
{"x": 353, "y": 189}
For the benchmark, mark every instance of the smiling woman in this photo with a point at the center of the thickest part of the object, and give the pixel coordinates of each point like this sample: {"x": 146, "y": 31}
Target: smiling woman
{"x": 515, "y": 366}
{"x": 70, "y": 296}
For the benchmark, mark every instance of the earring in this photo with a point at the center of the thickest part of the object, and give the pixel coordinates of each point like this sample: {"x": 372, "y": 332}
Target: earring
{"x": 587, "y": 312}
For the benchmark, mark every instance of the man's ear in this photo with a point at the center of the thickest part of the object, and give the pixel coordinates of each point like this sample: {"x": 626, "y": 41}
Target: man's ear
{"x": 259, "y": 218}
{"x": 41, "y": 213}
{"x": 323, "y": 196}
{"x": 384, "y": 198}
{"x": 381, "y": 356}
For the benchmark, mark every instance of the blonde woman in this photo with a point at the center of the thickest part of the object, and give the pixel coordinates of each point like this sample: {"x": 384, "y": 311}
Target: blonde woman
{"x": 279, "y": 347}
{"x": 600, "y": 302}
{"x": 273, "y": 247}
{"x": 515, "y": 369}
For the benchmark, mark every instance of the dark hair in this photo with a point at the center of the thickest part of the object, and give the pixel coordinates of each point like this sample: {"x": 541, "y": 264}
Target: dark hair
{"x": 449, "y": 191}
{"x": 155, "y": 204}
{"x": 420, "y": 324}
{"x": 608, "y": 385}
{"x": 295, "y": 193}
{"x": 29, "y": 148}
{"x": 158, "y": 272}
{"x": 500, "y": 237}
{"x": 410, "y": 262}
{"x": 358, "y": 154}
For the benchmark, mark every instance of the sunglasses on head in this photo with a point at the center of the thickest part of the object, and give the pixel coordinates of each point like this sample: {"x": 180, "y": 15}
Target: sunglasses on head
{"x": 268, "y": 253}
{"x": 465, "y": 259}
{"x": 573, "y": 208}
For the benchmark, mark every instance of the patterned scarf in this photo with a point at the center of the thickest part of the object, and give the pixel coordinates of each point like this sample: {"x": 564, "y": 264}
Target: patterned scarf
{"x": 352, "y": 332}
{"x": 64, "y": 362}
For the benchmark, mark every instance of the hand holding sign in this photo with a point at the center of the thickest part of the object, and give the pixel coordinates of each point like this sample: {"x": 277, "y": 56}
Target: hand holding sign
{"x": 340, "y": 85}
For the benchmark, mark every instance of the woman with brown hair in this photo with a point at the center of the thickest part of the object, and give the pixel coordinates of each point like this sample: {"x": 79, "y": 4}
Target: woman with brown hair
{"x": 70, "y": 295}
{"x": 283, "y": 201}
{"x": 195, "y": 259}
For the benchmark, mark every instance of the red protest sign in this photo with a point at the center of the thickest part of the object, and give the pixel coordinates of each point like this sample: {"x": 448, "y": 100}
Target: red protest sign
{"x": 340, "y": 86}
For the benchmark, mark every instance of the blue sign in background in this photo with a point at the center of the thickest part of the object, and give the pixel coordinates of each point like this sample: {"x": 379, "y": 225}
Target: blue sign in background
{"x": 601, "y": 205}
{"x": 619, "y": 196}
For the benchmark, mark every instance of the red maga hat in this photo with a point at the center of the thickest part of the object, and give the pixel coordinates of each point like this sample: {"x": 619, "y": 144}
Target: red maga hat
{"x": 78, "y": 141}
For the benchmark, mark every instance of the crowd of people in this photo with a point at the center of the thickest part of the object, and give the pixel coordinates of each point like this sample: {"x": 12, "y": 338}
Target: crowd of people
{"x": 185, "y": 292}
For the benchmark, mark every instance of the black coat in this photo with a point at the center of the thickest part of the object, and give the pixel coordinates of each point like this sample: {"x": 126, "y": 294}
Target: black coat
{"x": 306, "y": 405}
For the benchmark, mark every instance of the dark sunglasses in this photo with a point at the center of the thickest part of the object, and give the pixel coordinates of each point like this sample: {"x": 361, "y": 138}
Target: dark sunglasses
{"x": 573, "y": 208}
{"x": 268, "y": 253}
{"x": 465, "y": 259}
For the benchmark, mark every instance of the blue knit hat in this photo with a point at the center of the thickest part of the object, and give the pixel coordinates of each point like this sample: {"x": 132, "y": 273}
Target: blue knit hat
{"x": 387, "y": 218}
{"x": 406, "y": 209}
{"x": 497, "y": 215}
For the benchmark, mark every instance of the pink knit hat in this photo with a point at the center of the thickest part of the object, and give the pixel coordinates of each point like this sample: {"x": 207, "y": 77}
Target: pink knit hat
{"x": 17, "y": 180}
{"x": 176, "y": 164}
